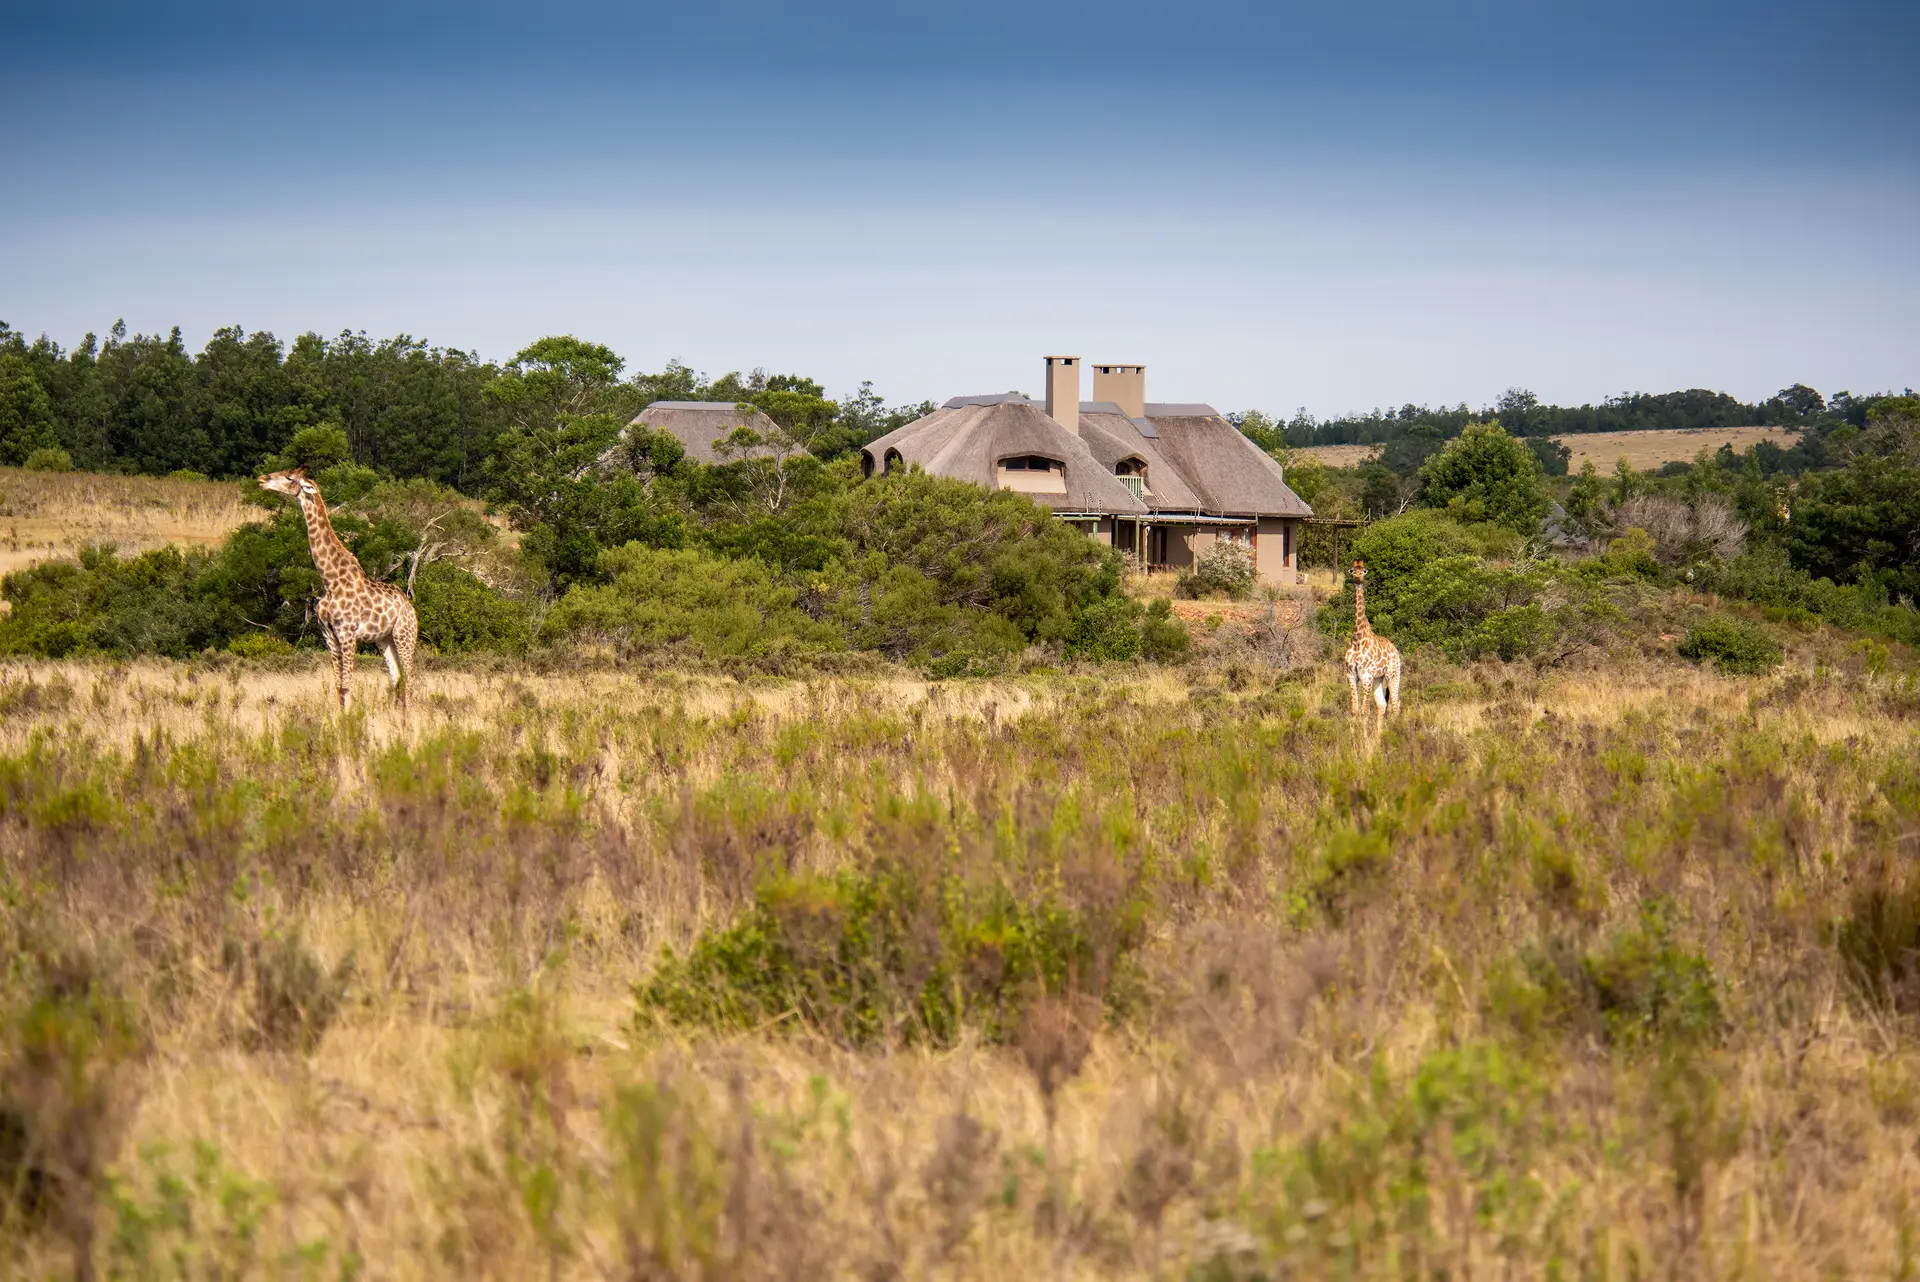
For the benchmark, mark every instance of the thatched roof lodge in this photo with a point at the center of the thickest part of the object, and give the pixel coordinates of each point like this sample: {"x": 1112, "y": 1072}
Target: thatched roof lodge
{"x": 1160, "y": 481}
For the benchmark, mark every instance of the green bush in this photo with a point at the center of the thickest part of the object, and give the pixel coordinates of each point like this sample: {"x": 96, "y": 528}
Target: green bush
{"x": 1766, "y": 576}
{"x": 1733, "y": 645}
{"x": 691, "y": 601}
{"x": 894, "y": 954}
{"x": 461, "y": 615}
{"x": 49, "y": 459}
{"x": 1639, "y": 987}
{"x": 1224, "y": 569}
{"x": 104, "y": 605}
{"x": 259, "y": 645}
{"x": 1430, "y": 581}
{"x": 1486, "y": 475}
{"x": 1120, "y": 628}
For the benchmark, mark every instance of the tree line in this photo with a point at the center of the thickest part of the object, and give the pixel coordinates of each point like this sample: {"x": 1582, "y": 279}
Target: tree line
{"x": 144, "y": 403}
{"x": 1522, "y": 414}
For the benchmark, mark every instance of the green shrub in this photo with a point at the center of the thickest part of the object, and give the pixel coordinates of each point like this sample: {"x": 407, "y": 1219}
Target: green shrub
{"x": 894, "y": 954}
{"x": 104, "y": 605}
{"x": 259, "y": 645}
{"x": 49, "y": 459}
{"x": 1121, "y": 628}
{"x": 461, "y": 615}
{"x": 1224, "y": 569}
{"x": 1430, "y": 581}
{"x": 1638, "y": 987}
{"x": 1733, "y": 645}
{"x": 689, "y": 600}
{"x": 981, "y": 551}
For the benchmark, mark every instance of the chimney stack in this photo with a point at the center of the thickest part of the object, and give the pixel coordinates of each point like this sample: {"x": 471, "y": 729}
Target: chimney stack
{"x": 1063, "y": 391}
{"x": 1124, "y": 385}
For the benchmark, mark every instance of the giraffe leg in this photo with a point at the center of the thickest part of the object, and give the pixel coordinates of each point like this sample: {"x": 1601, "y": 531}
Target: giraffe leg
{"x": 393, "y": 664}
{"x": 1393, "y": 687}
{"x": 328, "y": 635}
{"x": 1380, "y": 696}
{"x": 1353, "y": 685}
{"x": 343, "y": 649}
{"x": 406, "y": 636}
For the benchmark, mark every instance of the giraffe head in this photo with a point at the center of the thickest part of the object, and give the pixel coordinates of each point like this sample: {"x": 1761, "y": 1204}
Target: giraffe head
{"x": 1359, "y": 574}
{"x": 293, "y": 483}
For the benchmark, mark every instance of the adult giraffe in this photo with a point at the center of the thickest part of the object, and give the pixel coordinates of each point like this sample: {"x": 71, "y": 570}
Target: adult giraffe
{"x": 356, "y": 607}
{"x": 1372, "y": 661}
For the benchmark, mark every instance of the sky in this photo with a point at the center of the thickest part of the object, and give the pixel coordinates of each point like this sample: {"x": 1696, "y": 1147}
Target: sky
{"x": 1277, "y": 206}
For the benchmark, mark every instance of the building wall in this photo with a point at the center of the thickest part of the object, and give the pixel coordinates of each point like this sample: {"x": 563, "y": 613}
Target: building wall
{"x": 1277, "y": 551}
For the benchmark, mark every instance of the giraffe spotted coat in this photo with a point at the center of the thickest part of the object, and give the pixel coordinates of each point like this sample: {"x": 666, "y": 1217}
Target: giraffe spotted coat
{"x": 1373, "y": 662}
{"x": 356, "y": 606}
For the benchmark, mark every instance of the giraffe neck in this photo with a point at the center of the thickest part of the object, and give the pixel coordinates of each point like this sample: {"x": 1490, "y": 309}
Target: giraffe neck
{"x": 330, "y": 556}
{"x": 1360, "y": 626}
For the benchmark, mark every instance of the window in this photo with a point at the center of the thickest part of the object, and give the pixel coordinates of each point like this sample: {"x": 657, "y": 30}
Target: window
{"x": 1031, "y": 463}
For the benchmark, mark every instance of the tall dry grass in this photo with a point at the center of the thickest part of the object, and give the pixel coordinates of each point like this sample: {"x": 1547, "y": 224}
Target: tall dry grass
{"x": 1565, "y": 976}
{"x": 47, "y": 515}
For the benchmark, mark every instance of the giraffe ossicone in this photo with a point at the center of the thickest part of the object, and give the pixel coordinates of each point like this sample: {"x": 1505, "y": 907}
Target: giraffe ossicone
{"x": 1373, "y": 662}
{"x": 356, "y": 607}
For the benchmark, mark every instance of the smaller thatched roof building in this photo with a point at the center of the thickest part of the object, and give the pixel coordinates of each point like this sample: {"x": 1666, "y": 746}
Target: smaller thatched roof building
{"x": 701, "y": 425}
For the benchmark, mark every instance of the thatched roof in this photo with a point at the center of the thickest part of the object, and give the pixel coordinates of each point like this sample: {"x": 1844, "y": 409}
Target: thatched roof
{"x": 968, "y": 437}
{"x": 1231, "y": 475}
{"x": 1113, "y": 437}
{"x": 699, "y": 425}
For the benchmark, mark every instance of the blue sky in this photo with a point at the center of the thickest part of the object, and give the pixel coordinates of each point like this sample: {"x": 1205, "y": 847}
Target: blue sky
{"x": 1275, "y": 205}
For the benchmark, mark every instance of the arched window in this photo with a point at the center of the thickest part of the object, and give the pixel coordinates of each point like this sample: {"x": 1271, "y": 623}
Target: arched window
{"x": 892, "y": 461}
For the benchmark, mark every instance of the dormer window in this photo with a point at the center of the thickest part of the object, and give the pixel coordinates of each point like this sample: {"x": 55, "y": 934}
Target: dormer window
{"x": 1033, "y": 474}
{"x": 1133, "y": 474}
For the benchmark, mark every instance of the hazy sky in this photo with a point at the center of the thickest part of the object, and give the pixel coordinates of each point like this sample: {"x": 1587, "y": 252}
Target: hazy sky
{"x": 1334, "y": 206}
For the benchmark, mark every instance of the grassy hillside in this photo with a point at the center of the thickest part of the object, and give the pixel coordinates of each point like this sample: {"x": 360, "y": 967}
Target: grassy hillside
{"x": 1646, "y": 450}
{"x": 47, "y": 515}
{"x": 1155, "y": 973}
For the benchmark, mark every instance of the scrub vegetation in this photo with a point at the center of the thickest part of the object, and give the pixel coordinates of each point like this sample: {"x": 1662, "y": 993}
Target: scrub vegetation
{"x": 1609, "y": 969}
{"x": 785, "y": 874}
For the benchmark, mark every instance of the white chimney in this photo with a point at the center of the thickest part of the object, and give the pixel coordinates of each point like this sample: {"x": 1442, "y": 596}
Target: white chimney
{"x": 1124, "y": 385}
{"x": 1063, "y": 391}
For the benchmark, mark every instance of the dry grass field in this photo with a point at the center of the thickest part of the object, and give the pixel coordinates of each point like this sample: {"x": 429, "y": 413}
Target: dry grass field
{"x": 45, "y": 515}
{"x": 1145, "y": 974}
{"x": 1646, "y": 451}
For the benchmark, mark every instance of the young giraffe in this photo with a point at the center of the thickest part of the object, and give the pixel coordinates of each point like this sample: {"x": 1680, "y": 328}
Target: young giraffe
{"x": 1372, "y": 661}
{"x": 356, "y": 607}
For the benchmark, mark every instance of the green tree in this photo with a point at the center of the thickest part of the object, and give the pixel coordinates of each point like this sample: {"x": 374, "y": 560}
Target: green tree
{"x": 1587, "y": 503}
{"x": 26, "y": 412}
{"x": 1860, "y": 524}
{"x": 1486, "y": 475}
